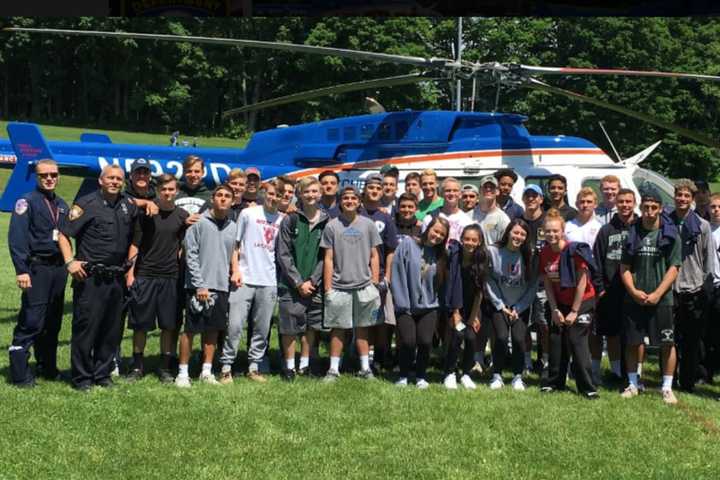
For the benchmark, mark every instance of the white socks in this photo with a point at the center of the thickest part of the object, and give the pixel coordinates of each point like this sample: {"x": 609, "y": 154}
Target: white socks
{"x": 364, "y": 362}
{"x": 226, "y": 369}
{"x": 633, "y": 378}
{"x": 206, "y": 369}
{"x": 335, "y": 364}
{"x": 304, "y": 362}
{"x": 667, "y": 382}
{"x": 290, "y": 363}
{"x": 183, "y": 370}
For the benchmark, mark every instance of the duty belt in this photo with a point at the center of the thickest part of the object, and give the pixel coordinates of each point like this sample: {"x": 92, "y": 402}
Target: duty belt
{"x": 53, "y": 260}
{"x": 104, "y": 271}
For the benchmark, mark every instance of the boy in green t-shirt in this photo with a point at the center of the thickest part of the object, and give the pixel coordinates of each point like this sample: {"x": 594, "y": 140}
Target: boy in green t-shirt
{"x": 649, "y": 266}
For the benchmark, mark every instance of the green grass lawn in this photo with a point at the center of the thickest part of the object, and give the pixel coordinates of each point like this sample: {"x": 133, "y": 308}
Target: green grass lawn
{"x": 351, "y": 429}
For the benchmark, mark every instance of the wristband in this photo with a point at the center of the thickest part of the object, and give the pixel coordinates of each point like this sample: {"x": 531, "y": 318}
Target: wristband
{"x": 67, "y": 264}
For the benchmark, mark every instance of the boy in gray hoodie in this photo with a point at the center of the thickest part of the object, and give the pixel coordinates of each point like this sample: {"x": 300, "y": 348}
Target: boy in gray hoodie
{"x": 210, "y": 268}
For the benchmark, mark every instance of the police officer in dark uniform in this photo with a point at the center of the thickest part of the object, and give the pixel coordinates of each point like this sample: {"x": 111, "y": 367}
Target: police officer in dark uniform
{"x": 102, "y": 225}
{"x": 33, "y": 241}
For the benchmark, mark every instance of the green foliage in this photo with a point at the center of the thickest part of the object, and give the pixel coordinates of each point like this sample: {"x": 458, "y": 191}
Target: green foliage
{"x": 165, "y": 86}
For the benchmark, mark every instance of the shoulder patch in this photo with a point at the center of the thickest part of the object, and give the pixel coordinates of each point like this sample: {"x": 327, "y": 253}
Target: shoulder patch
{"x": 75, "y": 213}
{"x": 21, "y": 206}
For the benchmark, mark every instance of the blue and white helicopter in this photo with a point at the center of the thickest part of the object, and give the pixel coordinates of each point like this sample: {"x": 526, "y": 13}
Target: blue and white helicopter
{"x": 466, "y": 145}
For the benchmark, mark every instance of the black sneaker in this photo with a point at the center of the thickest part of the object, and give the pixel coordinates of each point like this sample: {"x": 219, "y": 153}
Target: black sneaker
{"x": 134, "y": 375}
{"x": 287, "y": 374}
{"x": 106, "y": 383}
{"x": 165, "y": 376}
{"x": 591, "y": 395}
{"x": 25, "y": 385}
{"x": 304, "y": 372}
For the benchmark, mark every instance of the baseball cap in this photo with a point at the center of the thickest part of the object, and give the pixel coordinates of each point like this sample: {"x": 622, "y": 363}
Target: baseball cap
{"x": 138, "y": 164}
{"x": 649, "y": 191}
{"x": 389, "y": 169}
{"x": 702, "y": 185}
{"x": 351, "y": 188}
{"x": 531, "y": 187}
{"x": 374, "y": 178}
{"x": 471, "y": 188}
{"x": 488, "y": 179}
{"x": 252, "y": 171}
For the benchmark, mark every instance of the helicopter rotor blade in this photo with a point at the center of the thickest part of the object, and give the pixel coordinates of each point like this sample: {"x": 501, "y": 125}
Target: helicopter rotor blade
{"x": 698, "y": 137}
{"x": 342, "y": 88}
{"x": 289, "y": 47}
{"x": 611, "y": 71}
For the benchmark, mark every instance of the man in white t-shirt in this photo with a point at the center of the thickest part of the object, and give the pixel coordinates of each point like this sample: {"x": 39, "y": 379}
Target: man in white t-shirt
{"x": 585, "y": 226}
{"x": 257, "y": 228}
{"x": 450, "y": 210}
{"x": 488, "y": 214}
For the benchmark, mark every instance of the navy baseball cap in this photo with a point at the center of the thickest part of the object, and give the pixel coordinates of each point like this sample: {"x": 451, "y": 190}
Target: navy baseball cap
{"x": 140, "y": 163}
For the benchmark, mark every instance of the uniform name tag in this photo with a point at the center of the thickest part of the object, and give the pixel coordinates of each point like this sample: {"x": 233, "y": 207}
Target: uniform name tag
{"x": 55, "y": 235}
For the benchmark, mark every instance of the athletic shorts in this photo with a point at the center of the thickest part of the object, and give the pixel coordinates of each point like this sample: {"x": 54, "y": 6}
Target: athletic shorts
{"x": 153, "y": 304}
{"x": 297, "y": 314}
{"x": 346, "y": 309}
{"x": 655, "y": 322}
{"x": 609, "y": 313}
{"x": 212, "y": 319}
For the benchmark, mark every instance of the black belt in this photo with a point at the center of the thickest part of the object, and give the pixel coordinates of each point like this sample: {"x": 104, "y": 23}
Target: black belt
{"x": 105, "y": 271}
{"x": 53, "y": 260}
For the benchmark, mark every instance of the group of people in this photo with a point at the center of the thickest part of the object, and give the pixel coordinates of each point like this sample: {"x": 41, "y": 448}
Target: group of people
{"x": 443, "y": 265}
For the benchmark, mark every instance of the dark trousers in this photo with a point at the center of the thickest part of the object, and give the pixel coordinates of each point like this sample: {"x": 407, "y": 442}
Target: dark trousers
{"x": 96, "y": 328}
{"x": 415, "y": 332}
{"x": 711, "y": 338}
{"x": 38, "y": 324}
{"x": 503, "y": 329}
{"x": 456, "y": 341}
{"x": 567, "y": 342}
{"x": 690, "y": 309}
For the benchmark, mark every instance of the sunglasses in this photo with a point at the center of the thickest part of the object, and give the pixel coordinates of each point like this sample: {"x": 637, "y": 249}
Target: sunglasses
{"x": 48, "y": 175}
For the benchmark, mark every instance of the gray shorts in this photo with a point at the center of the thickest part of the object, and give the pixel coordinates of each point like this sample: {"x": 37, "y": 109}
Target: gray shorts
{"x": 297, "y": 314}
{"x": 346, "y": 309}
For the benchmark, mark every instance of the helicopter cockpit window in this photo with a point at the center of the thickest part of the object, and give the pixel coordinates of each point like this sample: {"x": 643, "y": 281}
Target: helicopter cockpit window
{"x": 385, "y": 131}
{"x": 641, "y": 176}
{"x": 593, "y": 183}
{"x": 349, "y": 133}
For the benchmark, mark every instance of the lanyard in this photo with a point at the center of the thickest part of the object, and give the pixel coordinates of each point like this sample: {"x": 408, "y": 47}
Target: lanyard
{"x": 54, "y": 213}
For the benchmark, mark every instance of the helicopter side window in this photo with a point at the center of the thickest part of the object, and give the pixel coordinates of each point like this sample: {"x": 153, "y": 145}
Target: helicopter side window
{"x": 349, "y": 133}
{"x": 385, "y": 131}
{"x": 366, "y": 131}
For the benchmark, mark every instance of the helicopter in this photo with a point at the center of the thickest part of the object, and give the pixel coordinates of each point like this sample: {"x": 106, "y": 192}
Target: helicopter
{"x": 465, "y": 145}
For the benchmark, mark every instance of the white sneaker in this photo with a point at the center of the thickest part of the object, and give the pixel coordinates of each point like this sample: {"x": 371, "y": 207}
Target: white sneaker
{"x": 115, "y": 372}
{"x": 209, "y": 378}
{"x": 467, "y": 382}
{"x": 450, "y": 382}
{"x": 518, "y": 384}
{"x": 497, "y": 382}
{"x": 422, "y": 384}
{"x": 402, "y": 382}
{"x": 182, "y": 382}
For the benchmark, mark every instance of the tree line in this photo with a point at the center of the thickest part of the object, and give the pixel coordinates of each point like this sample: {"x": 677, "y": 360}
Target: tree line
{"x": 165, "y": 86}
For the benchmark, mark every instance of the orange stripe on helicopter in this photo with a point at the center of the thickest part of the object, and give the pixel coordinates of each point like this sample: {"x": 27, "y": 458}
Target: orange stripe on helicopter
{"x": 445, "y": 156}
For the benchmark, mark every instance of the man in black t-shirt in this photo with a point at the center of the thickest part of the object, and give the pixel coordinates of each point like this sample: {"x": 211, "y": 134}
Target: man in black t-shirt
{"x": 152, "y": 280}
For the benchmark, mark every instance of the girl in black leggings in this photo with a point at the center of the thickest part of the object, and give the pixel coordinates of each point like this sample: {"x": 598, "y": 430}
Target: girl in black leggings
{"x": 418, "y": 269}
{"x": 511, "y": 287}
{"x": 467, "y": 271}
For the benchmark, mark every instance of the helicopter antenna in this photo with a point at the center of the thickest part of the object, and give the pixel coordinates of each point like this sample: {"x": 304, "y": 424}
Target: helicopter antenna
{"x": 497, "y": 96}
{"x": 619, "y": 159}
{"x": 472, "y": 98}
{"x": 458, "y": 88}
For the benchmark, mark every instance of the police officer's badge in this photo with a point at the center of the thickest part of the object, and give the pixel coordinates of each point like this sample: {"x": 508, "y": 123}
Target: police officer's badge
{"x": 75, "y": 213}
{"x": 21, "y": 206}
